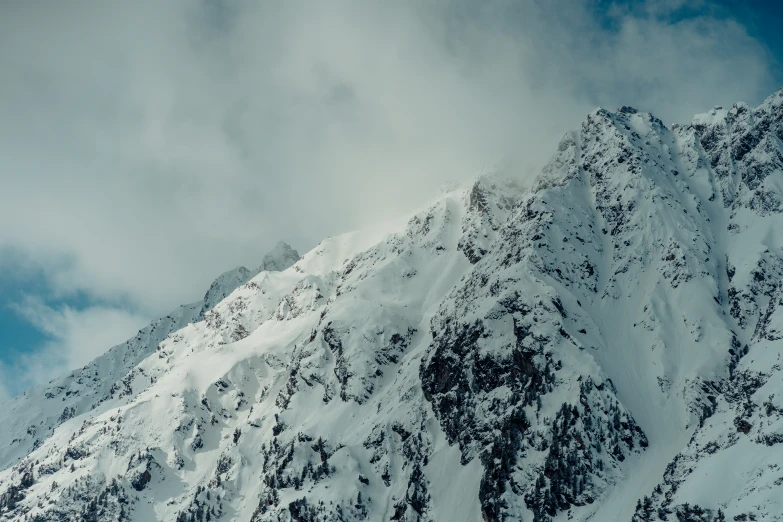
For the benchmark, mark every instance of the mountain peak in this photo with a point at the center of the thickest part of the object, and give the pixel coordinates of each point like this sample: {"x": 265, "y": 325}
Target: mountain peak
{"x": 281, "y": 257}
{"x": 278, "y": 259}
{"x": 223, "y": 285}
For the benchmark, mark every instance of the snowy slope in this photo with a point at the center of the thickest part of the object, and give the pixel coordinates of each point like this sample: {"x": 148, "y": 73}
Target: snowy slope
{"x": 28, "y": 420}
{"x": 603, "y": 346}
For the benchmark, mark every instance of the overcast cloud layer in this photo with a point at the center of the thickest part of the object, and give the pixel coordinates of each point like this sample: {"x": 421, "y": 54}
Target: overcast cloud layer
{"x": 145, "y": 147}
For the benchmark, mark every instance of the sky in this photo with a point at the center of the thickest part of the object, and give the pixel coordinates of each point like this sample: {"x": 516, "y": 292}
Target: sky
{"x": 146, "y": 147}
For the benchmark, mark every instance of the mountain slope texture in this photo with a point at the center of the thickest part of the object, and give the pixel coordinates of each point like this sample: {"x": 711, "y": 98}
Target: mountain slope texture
{"x": 603, "y": 345}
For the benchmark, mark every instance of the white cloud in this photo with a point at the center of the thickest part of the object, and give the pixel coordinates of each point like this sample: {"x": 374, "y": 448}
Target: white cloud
{"x": 75, "y": 337}
{"x": 147, "y": 146}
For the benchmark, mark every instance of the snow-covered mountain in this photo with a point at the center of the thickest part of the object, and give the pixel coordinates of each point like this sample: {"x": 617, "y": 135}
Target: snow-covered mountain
{"x": 604, "y": 345}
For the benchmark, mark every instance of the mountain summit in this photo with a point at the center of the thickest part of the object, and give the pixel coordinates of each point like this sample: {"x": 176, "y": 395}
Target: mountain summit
{"x": 603, "y": 346}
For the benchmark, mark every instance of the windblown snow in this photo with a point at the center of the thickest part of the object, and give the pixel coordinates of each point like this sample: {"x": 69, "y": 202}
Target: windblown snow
{"x": 603, "y": 345}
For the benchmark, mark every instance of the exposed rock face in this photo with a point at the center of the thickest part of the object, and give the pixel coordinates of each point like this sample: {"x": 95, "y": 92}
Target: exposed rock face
{"x": 602, "y": 346}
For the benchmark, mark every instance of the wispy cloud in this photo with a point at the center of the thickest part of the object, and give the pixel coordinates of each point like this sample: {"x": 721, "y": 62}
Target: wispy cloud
{"x": 75, "y": 337}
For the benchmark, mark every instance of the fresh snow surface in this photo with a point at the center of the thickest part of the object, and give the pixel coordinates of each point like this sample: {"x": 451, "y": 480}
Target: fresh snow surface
{"x": 602, "y": 345}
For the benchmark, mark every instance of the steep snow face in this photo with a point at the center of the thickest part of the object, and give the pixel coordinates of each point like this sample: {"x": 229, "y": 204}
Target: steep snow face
{"x": 595, "y": 316}
{"x": 730, "y": 467}
{"x": 608, "y": 336}
{"x": 29, "y": 419}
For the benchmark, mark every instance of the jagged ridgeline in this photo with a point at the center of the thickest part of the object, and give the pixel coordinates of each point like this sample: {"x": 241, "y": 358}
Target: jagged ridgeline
{"x": 603, "y": 344}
